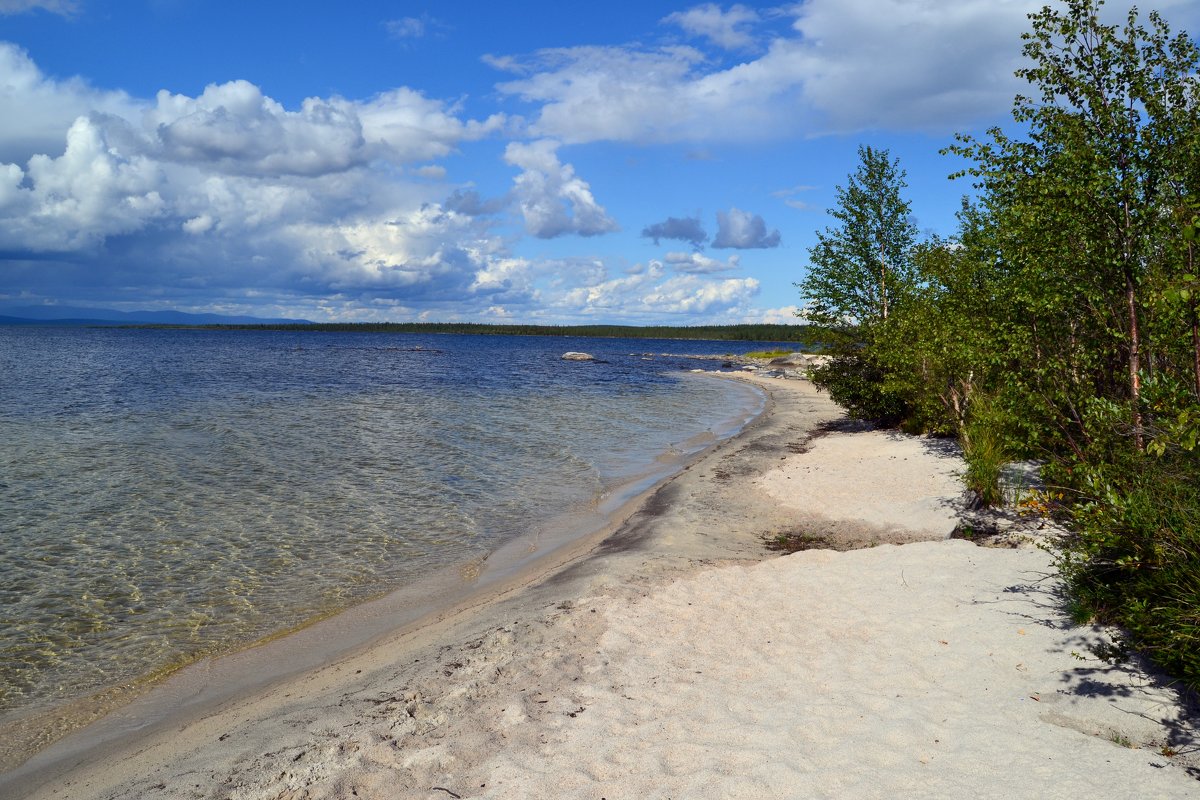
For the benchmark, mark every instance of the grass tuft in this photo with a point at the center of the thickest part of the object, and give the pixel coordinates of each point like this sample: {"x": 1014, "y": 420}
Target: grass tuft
{"x": 985, "y": 452}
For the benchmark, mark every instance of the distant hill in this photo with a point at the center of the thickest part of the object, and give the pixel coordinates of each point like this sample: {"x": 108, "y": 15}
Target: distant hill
{"x": 80, "y": 315}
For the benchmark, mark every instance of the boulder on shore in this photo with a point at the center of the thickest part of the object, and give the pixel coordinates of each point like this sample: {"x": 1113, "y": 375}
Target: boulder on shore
{"x": 578, "y": 357}
{"x": 790, "y": 360}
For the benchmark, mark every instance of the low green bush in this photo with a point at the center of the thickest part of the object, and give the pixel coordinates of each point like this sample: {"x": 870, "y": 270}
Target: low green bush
{"x": 857, "y": 384}
{"x": 1134, "y": 560}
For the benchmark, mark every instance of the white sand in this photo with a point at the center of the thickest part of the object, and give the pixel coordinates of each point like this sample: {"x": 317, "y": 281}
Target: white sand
{"x": 670, "y": 661}
{"x": 905, "y": 485}
{"x": 926, "y": 670}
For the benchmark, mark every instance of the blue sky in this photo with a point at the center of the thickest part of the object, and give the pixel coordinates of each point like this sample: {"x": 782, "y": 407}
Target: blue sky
{"x": 542, "y": 162}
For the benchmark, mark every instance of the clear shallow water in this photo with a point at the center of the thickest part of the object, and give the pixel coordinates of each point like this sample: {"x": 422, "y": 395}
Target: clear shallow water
{"x": 166, "y": 495}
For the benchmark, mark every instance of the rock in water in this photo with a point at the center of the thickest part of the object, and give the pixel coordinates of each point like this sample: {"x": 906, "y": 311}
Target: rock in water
{"x": 577, "y": 357}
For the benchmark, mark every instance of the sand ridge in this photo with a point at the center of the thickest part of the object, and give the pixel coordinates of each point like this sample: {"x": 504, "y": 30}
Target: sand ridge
{"x": 672, "y": 660}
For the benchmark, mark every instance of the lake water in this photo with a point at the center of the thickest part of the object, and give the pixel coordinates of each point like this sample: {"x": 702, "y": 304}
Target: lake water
{"x": 167, "y": 495}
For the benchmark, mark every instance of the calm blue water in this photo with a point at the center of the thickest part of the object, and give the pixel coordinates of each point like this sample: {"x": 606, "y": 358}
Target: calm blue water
{"x": 165, "y": 495}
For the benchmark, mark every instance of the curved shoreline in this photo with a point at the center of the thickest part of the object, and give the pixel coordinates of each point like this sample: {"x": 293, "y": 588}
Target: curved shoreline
{"x": 117, "y": 717}
{"x": 673, "y": 657}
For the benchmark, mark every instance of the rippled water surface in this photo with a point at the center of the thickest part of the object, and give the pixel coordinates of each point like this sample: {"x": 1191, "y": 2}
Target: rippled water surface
{"x": 169, "y": 494}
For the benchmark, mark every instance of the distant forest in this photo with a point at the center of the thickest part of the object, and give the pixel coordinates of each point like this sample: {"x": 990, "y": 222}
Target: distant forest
{"x": 803, "y": 334}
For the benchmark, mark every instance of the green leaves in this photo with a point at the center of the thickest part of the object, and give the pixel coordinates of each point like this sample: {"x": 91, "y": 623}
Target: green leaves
{"x": 1183, "y": 289}
{"x": 1182, "y": 432}
{"x": 1064, "y": 320}
{"x": 860, "y": 269}
{"x": 1190, "y": 229}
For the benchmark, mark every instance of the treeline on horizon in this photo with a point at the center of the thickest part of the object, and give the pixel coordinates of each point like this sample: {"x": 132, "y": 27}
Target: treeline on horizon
{"x": 1061, "y": 322}
{"x": 803, "y": 334}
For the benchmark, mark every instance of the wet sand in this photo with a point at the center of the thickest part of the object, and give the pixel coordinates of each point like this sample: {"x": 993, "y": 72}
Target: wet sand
{"x": 674, "y": 656}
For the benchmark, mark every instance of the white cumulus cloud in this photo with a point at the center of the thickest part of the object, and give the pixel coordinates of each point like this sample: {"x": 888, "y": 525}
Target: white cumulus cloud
{"x": 822, "y": 66}
{"x": 233, "y": 127}
{"x": 917, "y": 64}
{"x": 552, "y": 198}
{"x": 36, "y": 111}
{"x": 75, "y": 201}
{"x": 79, "y": 165}
{"x": 743, "y": 230}
{"x": 632, "y": 94}
{"x": 690, "y": 294}
{"x": 412, "y": 127}
{"x": 651, "y": 294}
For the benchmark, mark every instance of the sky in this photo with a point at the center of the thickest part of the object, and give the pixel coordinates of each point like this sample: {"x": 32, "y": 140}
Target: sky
{"x": 526, "y": 162}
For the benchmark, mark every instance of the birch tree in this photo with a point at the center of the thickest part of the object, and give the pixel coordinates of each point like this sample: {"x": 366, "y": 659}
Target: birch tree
{"x": 861, "y": 268}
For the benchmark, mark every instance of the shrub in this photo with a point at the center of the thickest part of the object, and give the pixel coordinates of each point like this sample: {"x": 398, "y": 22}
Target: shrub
{"x": 1135, "y": 557}
{"x": 985, "y": 451}
{"x": 857, "y": 384}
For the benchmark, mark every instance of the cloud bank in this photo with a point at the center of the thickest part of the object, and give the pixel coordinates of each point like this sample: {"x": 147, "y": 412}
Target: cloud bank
{"x": 229, "y": 201}
{"x": 330, "y": 204}
{"x": 821, "y": 66}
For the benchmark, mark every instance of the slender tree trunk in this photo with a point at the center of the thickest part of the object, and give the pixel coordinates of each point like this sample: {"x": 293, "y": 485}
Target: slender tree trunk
{"x": 1196, "y": 347}
{"x": 1135, "y": 334}
{"x": 1037, "y": 345}
{"x": 1073, "y": 355}
{"x": 1195, "y": 322}
{"x": 1135, "y": 361}
{"x": 883, "y": 279}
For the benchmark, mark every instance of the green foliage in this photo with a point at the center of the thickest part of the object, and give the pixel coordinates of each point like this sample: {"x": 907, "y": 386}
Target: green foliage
{"x": 860, "y": 270}
{"x": 860, "y": 274}
{"x": 1063, "y": 320}
{"x": 1084, "y": 204}
{"x": 1176, "y": 416}
{"x": 857, "y": 384}
{"x": 1135, "y": 560}
{"x": 768, "y": 353}
{"x": 985, "y": 451}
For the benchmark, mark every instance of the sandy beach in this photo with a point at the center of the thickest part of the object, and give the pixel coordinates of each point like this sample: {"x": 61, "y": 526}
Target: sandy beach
{"x": 674, "y": 656}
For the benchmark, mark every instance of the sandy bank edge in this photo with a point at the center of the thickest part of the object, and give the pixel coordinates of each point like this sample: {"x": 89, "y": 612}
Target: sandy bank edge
{"x": 92, "y": 727}
{"x": 79, "y": 750}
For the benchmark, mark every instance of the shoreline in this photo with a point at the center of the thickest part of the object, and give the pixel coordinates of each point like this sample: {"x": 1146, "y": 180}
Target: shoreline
{"x": 203, "y": 526}
{"x": 680, "y": 609}
{"x": 117, "y": 716}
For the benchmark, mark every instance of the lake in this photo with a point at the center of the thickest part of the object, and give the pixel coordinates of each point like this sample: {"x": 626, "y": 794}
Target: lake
{"x": 166, "y": 495}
